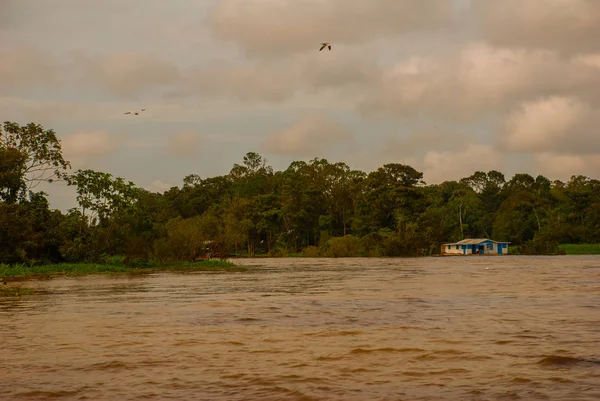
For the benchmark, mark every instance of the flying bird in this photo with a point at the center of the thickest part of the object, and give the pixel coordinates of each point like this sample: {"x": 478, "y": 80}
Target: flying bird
{"x": 324, "y": 45}
{"x": 137, "y": 113}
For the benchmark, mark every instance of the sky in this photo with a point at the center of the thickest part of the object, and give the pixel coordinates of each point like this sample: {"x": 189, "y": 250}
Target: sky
{"x": 447, "y": 86}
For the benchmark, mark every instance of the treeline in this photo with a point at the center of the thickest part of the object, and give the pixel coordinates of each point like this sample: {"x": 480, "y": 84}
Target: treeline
{"x": 315, "y": 208}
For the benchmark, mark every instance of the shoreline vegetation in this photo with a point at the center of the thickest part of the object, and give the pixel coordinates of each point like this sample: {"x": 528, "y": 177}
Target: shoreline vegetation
{"x": 116, "y": 264}
{"x": 580, "y": 249}
{"x": 313, "y": 208}
{"x": 23, "y": 272}
{"x": 20, "y": 272}
{"x": 315, "y": 252}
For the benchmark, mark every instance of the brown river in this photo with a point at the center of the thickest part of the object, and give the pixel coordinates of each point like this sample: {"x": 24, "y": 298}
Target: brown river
{"x": 455, "y": 328}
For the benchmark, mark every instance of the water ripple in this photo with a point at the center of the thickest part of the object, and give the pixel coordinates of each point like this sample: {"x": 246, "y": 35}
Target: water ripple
{"x": 497, "y": 328}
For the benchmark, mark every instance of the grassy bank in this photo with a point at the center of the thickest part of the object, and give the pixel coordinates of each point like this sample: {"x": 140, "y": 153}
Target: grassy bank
{"x": 581, "y": 249}
{"x": 78, "y": 269}
{"x": 568, "y": 249}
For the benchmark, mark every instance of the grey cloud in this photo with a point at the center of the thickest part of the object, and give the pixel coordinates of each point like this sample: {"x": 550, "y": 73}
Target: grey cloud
{"x": 159, "y": 186}
{"x": 52, "y": 111}
{"x": 479, "y": 79}
{"x": 126, "y": 74}
{"x": 438, "y": 152}
{"x": 454, "y": 165}
{"x": 442, "y": 157}
{"x": 81, "y": 147}
{"x": 271, "y": 28}
{"x": 7, "y": 10}
{"x": 24, "y": 66}
{"x": 570, "y": 26}
{"x": 31, "y": 13}
{"x": 563, "y": 166}
{"x": 184, "y": 144}
{"x": 552, "y": 124}
{"x": 277, "y": 81}
{"x": 500, "y": 61}
{"x": 307, "y": 136}
{"x": 422, "y": 140}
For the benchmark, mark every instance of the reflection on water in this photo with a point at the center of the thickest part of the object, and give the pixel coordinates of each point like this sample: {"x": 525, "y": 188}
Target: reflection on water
{"x": 480, "y": 328}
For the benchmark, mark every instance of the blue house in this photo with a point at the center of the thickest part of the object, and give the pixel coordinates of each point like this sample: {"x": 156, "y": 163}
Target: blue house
{"x": 475, "y": 246}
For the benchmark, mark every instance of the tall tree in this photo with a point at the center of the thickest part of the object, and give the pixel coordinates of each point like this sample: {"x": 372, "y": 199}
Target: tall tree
{"x": 12, "y": 182}
{"x": 102, "y": 193}
{"x": 41, "y": 149}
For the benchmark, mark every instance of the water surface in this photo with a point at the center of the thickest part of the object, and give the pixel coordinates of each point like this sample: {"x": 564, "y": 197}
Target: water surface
{"x": 475, "y": 328}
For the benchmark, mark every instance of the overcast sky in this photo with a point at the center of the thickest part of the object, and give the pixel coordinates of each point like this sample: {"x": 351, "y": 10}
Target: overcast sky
{"x": 447, "y": 86}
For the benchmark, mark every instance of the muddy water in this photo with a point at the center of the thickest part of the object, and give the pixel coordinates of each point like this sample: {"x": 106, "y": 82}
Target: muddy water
{"x": 480, "y": 328}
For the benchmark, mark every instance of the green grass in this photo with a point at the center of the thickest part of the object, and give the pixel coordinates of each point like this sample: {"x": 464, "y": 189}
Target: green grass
{"x": 570, "y": 249}
{"x": 78, "y": 269}
{"x": 581, "y": 249}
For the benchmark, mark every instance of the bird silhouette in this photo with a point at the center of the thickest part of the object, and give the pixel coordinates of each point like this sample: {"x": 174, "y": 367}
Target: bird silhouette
{"x": 136, "y": 113}
{"x": 324, "y": 45}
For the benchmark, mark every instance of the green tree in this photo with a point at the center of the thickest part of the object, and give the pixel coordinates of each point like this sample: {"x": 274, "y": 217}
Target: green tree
{"x": 106, "y": 197}
{"x": 102, "y": 193}
{"x": 12, "y": 183}
{"x": 40, "y": 148}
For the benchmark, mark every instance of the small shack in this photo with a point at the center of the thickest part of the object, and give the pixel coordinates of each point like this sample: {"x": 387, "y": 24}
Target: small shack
{"x": 207, "y": 252}
{"x": 475, "y": 246}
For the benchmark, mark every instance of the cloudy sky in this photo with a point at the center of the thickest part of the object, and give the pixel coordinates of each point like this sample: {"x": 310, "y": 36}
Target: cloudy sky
{"x": 447, "y": 86}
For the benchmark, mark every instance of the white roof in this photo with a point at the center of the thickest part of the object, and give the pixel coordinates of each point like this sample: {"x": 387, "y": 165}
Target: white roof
{"x": 475, "y": 241}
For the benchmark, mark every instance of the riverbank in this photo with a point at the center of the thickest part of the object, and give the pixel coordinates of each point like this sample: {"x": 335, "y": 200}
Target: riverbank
{"x": 20, "y": 272}
{"x": 312, "y": 252}
{"x": 580, "y": 249}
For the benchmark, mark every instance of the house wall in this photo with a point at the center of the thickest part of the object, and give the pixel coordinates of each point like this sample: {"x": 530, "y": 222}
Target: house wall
{"x": 495, "y": 247}
{"x": 490, "y": 248}
{"x": 452, "y": 250}
{"x": 504, "y": 249}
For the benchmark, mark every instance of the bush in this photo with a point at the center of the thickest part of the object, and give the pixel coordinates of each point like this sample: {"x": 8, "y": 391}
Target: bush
{"x": 311, "y": 252}
{"x": 347, "y": 246}
{"x": 373, "y": 245}
{"x": 538, "y": 246}
{"x": 276, "y": 253}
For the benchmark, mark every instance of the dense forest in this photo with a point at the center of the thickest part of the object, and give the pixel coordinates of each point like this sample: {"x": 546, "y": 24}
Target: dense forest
{"x": 314, "y": 208}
